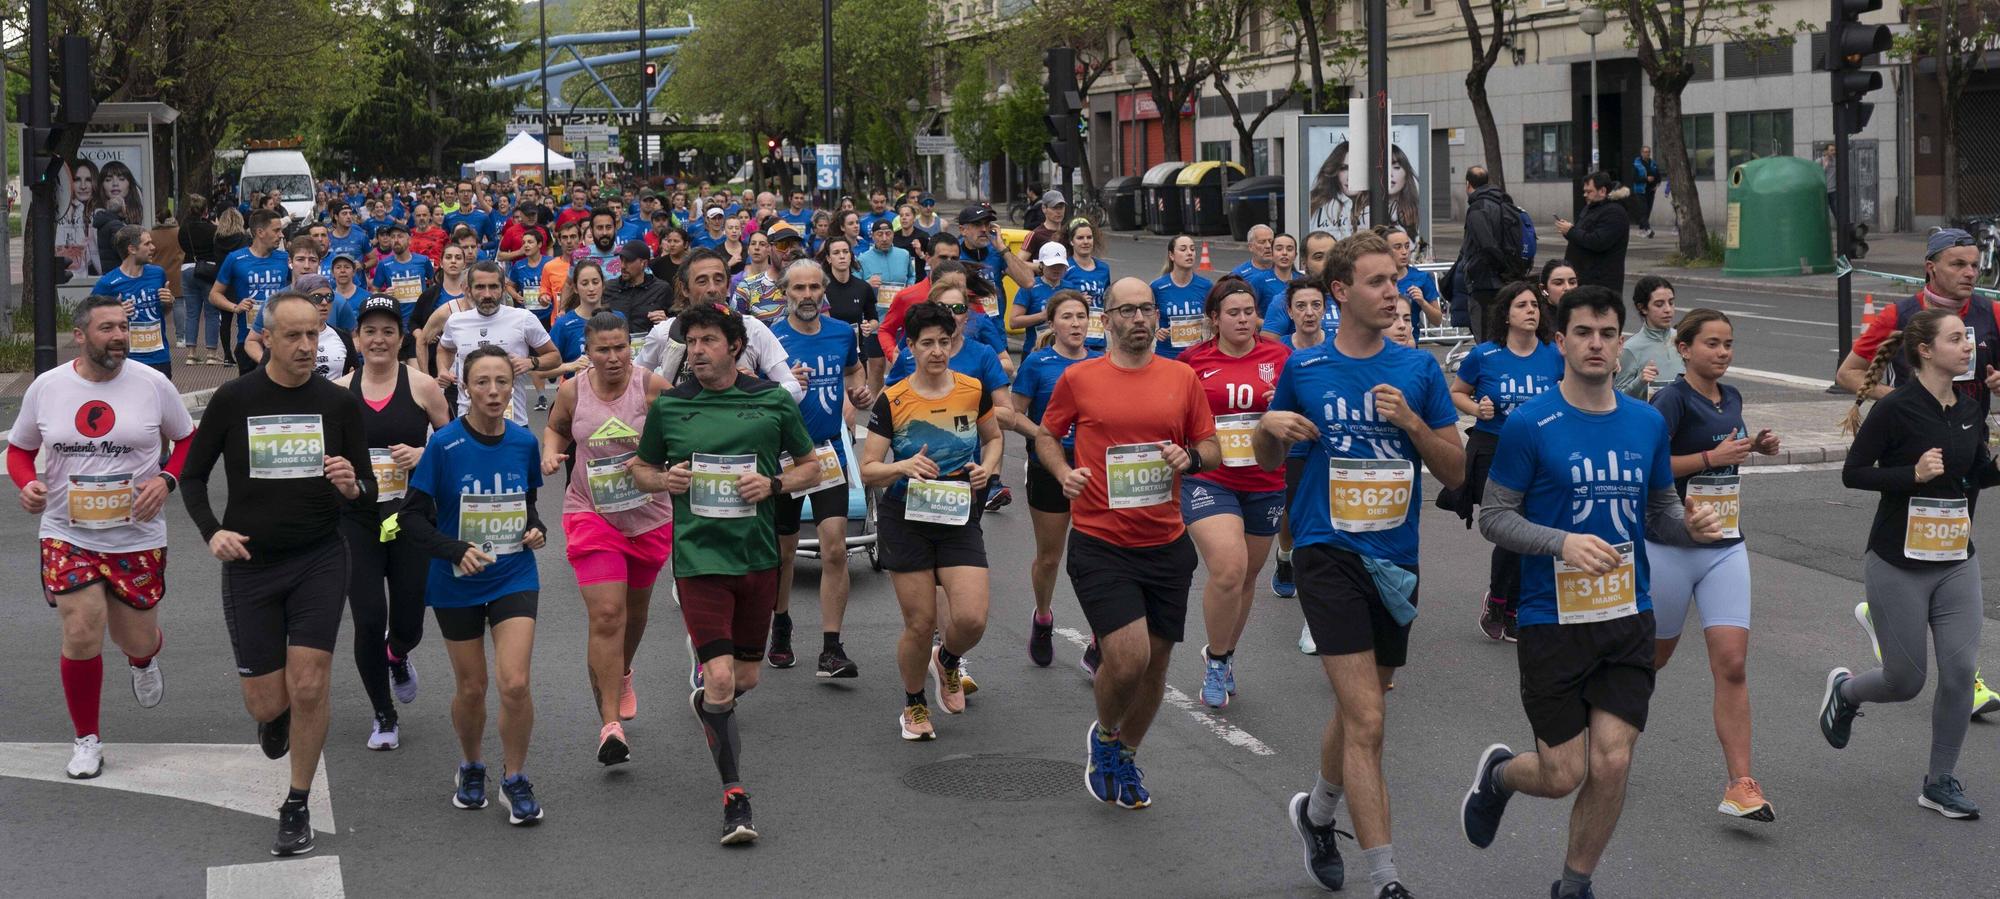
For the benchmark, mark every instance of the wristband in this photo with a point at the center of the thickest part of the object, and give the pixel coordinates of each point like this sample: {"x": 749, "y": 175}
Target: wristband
{"x": 1704, "y": 460}
{"x": 777, "y": 486}
{"x": 1194, "y": 458}
{"x": 173, "y": 483}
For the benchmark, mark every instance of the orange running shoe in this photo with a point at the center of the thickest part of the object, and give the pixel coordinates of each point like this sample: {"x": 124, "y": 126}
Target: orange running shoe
{"x": 1745, "y": 799}
{"x": 916, "y": 723}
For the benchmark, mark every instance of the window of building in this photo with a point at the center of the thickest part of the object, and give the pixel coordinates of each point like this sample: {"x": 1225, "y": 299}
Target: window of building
{"x": 1758, "y": 58}
{"x": 1424, "y": 7}
{"x": 1215, "y": 150}
{"x": 1758, "y": 135}
{"x": 1698, "y": 133}
{"x": 1260, "y": 159}
{"x": 1704, "y": 63}
{"x": 1547, "y": 152}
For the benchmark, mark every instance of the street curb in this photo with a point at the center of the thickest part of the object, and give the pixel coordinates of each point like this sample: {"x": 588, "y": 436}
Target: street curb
{"x": 1805, "y": 455}
{"x": 193, "y": 401}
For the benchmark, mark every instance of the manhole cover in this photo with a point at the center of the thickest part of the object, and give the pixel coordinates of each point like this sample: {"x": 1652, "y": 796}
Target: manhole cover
{"x": 996, "y": 778}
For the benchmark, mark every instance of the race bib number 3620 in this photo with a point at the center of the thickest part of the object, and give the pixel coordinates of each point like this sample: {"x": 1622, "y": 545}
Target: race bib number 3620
{"x": 1369, "y": 494}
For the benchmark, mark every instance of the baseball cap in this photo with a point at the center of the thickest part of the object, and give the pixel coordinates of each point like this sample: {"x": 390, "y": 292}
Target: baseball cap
{"x": 344, "y": 255}
{"x": 1053, "y": 198}
{"x": 396, "y": 227}
{"x": 1945, "y": 238}
{"x": 378, "y": 304}
{"x": 1052, "y": 254}
{"x": 310, "y": 283}
{"x": 882, "y": 224}
{"x": 976, "y": 213}
{"x": 783, "y": 230}
{"x": 714, "y": 212}
{"x": 926, "y": 200}
{"x": 635, "y": 251}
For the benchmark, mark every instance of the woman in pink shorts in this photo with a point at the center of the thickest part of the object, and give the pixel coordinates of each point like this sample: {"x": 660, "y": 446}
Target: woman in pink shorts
{"x": 617, "y": 537}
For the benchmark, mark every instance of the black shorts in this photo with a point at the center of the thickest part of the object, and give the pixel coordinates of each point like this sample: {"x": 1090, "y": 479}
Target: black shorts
{"x": 293, "y": 600}
{"x": 1045, "y": 493}
{"x": 1343, "y": 609}
{"x": 470, "y": 622}
{"x": 924, "y": 546}
{"x": 1117, "y": 586}
{"x": 871, "y": 345}
{"x": 1569, "y": 669}
{"x": 828, "y": 503}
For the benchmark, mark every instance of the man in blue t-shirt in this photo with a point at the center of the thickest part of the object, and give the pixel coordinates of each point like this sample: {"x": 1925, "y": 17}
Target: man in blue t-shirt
{"x": 403, "y": 275}
{"x": 1375, "y": 414}
{"x": 250, "y": 276}
{"x": 797, "y": 213}
{"x": 1257, "y": 271}
{"x": 1582, "y": 478}
{"x": 345, "y": 237}
{"x": 142, "y": 287}
{"x": 470, "y": 215}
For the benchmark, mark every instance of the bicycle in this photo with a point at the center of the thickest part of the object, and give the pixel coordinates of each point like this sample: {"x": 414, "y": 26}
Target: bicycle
{"x": 1987, "y": 232}
{"x": 1017, "y": 212}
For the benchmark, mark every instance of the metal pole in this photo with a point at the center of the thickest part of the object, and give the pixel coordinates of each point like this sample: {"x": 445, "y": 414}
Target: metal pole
{"x": 6, "y": 210}
{"x": 1594, "y": 165}
{"x": 1378, "y": 111}
{"x": 645, "y": 108}
{"x": 542, "y": 49}
{"x": 42, "y": 212}
{"x": 1843, "y": 233}
{"x": 826, "y": 80}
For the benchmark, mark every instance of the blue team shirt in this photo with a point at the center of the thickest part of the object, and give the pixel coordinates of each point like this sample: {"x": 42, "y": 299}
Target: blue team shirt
{"x": 404, "y": 280}
{"x": 456, "y": 465}
{"x": 1508, "y": 380}
{"x": 250, "y": 278}
{"x": 1582, "y": 473}
{"x": 526, "y": 277}
{"x": 477, "y": 219}
{"x": 143, "y": 292}
{"x": 1278, "y": 317}
{"x": 868, "y": 220}
{"x": 354, "y": 244}
{"x": 1176, "y": 301}
{"x": 1030, "y": 300}
{"x": 803, "y": 219}
{"x": 568, "y": 335}
{"x": 632, "y": 227}
{"x": 345, "y": 313}
{"x": 1695, "y": 425}
{"x": 1335, "y": 391}
{"x": 1425, "y": 283}
{"x": 1036, "y": 381}
{"x": 829, "y": 354}
{"x": 1263, "y": 281}
{"x": 973, "y": 359}
{"x": 1092, "y": 284}
{"x": 894, "y": 266}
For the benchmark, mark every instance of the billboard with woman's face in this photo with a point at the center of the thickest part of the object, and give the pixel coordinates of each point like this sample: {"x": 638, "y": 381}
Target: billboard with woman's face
{"x": 109, "y": 172}
{"x": 1329, "y": 195}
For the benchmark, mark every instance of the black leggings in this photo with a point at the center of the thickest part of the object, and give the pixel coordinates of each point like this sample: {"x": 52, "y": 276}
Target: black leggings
{"x": 399, "y": 611}
{"x": 1503, "y": 577}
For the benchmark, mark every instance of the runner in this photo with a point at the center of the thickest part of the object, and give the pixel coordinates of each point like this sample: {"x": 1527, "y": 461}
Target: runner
{"x": 335, "y": 354}
{"x": 472, "y": 506}
{"x": 1180, "y": 294}
{"x": 1648, "y": 361}
{"x": 1516, "y": 361}
{"x": 853, "y": 301}
{"x": 1920, "y": 571}
{"x": 488, "y": 323}
{"x": 1278, "y": 322}
{"x": 1130, "y": 560}
{"x": 251, "y": 276}
{"x": 1558, "y": 278}
{"x": 1374, "y": 412}
{"x": 142, "y": 287}
{"x": 1709, "y": 441}
{"x": 524, "y": 276}
{"x": 348, "y": 294}
{"x": 1306, "y": 305}
{"x": 104, "y": 425}
{"x": 582, "y": 298}
{"x": 1418, "y": 285}
{"x": 826, "y": 359}
{"x": 944, "y": 248}
{"x": 934, "y": 441}
{"x": 295, "y": 452}
{"x": 1262, "y": 242}
{"x": 403, "y": 275}
{"x": 1586, "y": 621}
{"x": 704, "y": 281}
{"x": 712, "y": 441}
{"x": 399, "y": 408}
{"x": 1087, "y": 274}
{"x": 1070, "y": 313}
{"x": 449, "y": 294}
{"x": 617, "y": 537}
{"x": 1031, "y": 301}
{"x": 1232, "y": 512}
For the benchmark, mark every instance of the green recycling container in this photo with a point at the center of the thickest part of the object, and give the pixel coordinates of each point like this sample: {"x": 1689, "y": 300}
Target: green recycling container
{"x": 1778, "y": 220}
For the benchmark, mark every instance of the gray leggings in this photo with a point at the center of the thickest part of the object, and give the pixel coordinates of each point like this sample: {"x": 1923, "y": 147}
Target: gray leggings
{"x": 1902, "y": 602}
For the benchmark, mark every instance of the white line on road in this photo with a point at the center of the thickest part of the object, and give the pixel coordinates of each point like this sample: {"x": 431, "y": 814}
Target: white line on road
{"x": 1738, "y": 313}
{"x": 316, "y": 877}
{"x": 1778, "y": 377}
{"x": 228, "y": 775}
{"x": 1228, "y": 733}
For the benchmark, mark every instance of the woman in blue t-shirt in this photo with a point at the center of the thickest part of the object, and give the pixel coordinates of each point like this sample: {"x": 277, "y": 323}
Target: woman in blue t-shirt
{"x": 582, "y": 297}
{"x": 1517, "y": 361}
{"x": 1089, "y": 276}
{"x": 1181, "y": 295}
{"x": 1062, "y": 346}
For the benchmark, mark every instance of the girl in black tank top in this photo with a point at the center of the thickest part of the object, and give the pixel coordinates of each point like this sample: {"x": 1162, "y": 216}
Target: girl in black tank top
{"x": 400, "y": 420}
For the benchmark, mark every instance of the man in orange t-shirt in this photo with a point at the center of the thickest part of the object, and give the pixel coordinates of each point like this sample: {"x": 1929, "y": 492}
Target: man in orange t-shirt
{"x": 1130, "y": 558}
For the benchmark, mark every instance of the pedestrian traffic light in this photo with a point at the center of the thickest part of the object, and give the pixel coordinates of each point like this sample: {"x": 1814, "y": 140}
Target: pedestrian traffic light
{"x": 72, "y": 114}
{"x": 1857, "y": 247}
{"x": 653, "y": 69}
{"x": 1063, "y": 121}
{"x": 1848, "y": 44}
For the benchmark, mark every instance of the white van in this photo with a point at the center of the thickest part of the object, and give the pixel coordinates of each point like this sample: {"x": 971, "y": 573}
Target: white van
{"x": 284, "y": 171}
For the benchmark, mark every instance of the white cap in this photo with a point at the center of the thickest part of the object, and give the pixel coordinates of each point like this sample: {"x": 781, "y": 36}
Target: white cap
{"x": 1052, "y": 254}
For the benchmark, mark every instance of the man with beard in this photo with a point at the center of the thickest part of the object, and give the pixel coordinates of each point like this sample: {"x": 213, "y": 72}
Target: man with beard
{"x": 637, "y": 295}
{"x": 426, "y": 238}
{"x": 488, "y": 323}
{"x": 603, "y": 245}
{"x": 142, "y": 287}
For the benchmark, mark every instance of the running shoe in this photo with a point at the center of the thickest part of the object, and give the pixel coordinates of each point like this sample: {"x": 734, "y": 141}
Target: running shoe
{"x": 1946, "y": 796}
{"x": 965, "y": 681}
{"x": 384, "y": 734}
{"x": 611, "y": 746}
{"x": 275, "y": 735}
{"x": 916, "y": 723}
{"x": 1306, "y": 644}
{"x": 402, "y": 678}
{"x": 1836, "y": 714}
{"x": 522, "y": 808}
{"x": 999, "y": 498}
{"x": 1214, "y": 681}
{"x": 1512, "y": 631}
{"x": 1100, "y": 771}
{"x": 541, "y": 404}
{"x": 1281, "y": 580}
{"x": 1131, "y": 783}
{"x": 1480, "y": 811}
{"x": 1983, "y": 700}
{"x": 628, "y": 701}
{"x": 1555, "y": 891}
{"x": 736, "y": 826}
{"x": 1323, "y": 862}
{"x": 1493, "y": 618}
{"x": 1745, "y": 799}
{"x": 149, "y": 686}
{"x": 1394, "y": 889}
{"x": 694, "y": 666}
{"x": 1090, "y": 659}
{"x": 1041, "y": 640}
{"x": 471, "y": 792}
{"x": 950, "y": 685}
{"x": 86, "y": 758}
{"x": 835, "y": 663}
{"x": 295, "y": 831}
{"x": 1229, "y": 674}
{"x": 780, "y": 654}
{"x": 1868, "y": 624}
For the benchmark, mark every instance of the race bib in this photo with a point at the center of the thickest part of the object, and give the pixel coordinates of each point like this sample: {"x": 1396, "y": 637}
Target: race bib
{"x": 493, "y": 522}
{"x": 406, "y": 290}
{"x": 830, "y": 474}
{"x": 1939, "y": 530}
{"x": 1136, "y": 475}
{"x": 1233, "y": 432}
{"x": 145, "y": 338}
{"x": 535, "y": 301}
{"x": 391, "y": 481}
{"x": 938, "y": 502}
{"x": 286, "y": 446}
{"x": 1583, "y": 598}
{"x": 100, "y": 501}
{"x": 1722, "y": 493}
{"x": 611, "y": 486}
{"x": 885, "y": 296}
{"x": 1369, "y": 494}
{"x": 1184, "y": 330}
{"x": 713, "y": 491}
{"x": 1095, "y": 330}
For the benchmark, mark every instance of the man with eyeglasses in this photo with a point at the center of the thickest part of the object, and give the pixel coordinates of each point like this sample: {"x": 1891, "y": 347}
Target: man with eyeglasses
{"x": 1130, "y": 558}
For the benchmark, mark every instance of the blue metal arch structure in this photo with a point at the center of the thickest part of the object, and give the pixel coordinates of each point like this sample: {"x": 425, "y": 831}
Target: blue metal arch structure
{"x": 566, "y": 45}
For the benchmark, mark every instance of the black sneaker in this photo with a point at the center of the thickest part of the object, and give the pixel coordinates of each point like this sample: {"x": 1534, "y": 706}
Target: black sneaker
{"x": 1511, "y": 631}
{"x": 1090, "y": 659}
{"x": 1041, "y": 642}
{"x": 295, "y": 832}
{"x": 1493, "y": 619}
{"x": 275, "y": 735}
{"x": 1394, "y": 889}
{"x": 1946, "y": 796}
{"x": 999, "y": 498}
{"x": 780, "y": 654}
{"x": 1836, "y": 714}
{"x": 736, "y": 817}
{"x": 835, "y": 663}
{"x": 1323, "y": 862}
{"x": 1480, "y": 811}
{"x": 541, "y": 404}
{"x": 1555, "y": 891}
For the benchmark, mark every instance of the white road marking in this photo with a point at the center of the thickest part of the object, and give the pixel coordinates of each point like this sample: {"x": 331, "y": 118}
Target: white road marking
{"x": 1738, "y": 313}
{"x": 1778, "y": 377}
{"x": 1223, "y": 730}
{"x": 312, "y": 877}
{"x": 233, "y": 776}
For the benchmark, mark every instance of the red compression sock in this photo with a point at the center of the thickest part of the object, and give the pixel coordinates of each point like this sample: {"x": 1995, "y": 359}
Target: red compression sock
{"x": 83, "y": 689}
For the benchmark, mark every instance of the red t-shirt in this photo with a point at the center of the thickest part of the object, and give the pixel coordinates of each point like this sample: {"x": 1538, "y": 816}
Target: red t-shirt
{"x": 891, "y": 330}
{"x": 429, "y": 242}
{"x": 1239, "y": 385}
{"x": 1110, "y": 406}
{"x": 569, "y": 214}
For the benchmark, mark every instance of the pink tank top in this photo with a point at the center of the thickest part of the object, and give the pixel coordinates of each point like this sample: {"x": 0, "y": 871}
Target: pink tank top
{"x": 605, "y": 434}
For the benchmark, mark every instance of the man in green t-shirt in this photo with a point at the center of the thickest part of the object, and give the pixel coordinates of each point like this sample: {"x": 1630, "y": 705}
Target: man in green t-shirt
{"x": 713, "y": 443}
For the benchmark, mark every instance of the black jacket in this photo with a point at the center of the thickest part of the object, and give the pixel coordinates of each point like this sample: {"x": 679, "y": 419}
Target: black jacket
{"x": 1597, "y": 242}
{"x": 107, "y": 225}
{"x": 636, "y": 300}
{"x": 1897, "y": 432}
{"x": 1482, "y": 258}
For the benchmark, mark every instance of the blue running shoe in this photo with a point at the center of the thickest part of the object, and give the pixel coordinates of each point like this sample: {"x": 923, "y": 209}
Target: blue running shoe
{"x": 521, "y": 805}
{"x": 1281, "y": 580}
{"x": 1229, "y": 675}
{"x": 1131, "y": 784}
{"x": 1100, "y": 773}
{"x": 1214, "y": 681}
{"x": 1946, "y": 796}
{"x": 471, "y": 786}
{"x": 1485, "y": 802}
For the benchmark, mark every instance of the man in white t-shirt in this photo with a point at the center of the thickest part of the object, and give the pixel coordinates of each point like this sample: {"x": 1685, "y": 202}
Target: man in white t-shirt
{"x": 98, "y": 426}
{"x": 488, "y": 323}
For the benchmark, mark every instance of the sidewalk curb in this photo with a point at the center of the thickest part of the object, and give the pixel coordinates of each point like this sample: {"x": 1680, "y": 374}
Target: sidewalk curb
{"x": 194, "y": 401}
{"x": 1804, "y": 455}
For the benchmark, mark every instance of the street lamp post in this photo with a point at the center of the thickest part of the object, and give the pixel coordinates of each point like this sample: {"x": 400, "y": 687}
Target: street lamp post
{"x": 913, "y": 107}
{"x": 1592, "y": 23}
{"x": 542, "y": 50}
{"x": 1132, "y": 78}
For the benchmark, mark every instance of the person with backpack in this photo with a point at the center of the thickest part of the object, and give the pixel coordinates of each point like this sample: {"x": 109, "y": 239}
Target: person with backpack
{"x": 1498, "y": 243}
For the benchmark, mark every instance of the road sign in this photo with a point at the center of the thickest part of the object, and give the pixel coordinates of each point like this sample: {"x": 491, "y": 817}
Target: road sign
{"x": 514, "y": 128}
{"x": 828, "y": 156}
{"x": 934, "y": 145}
{"x": 587, "y": 130}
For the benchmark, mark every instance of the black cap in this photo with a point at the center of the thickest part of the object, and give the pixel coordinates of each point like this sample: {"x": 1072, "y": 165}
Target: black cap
{"x": 976, "y": 213}
{"x": 635, "y": 251}
{"x": 376, "y": 304}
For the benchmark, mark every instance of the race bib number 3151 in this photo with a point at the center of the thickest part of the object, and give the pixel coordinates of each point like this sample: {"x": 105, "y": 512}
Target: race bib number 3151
{"x": 1583, "y": 598}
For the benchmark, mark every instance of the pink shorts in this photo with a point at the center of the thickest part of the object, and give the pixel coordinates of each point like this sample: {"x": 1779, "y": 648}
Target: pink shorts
{"x": 600, "y": 553}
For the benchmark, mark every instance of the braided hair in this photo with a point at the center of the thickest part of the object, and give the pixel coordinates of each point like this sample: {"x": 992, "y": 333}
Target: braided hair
{"x": 1921, "y": 330}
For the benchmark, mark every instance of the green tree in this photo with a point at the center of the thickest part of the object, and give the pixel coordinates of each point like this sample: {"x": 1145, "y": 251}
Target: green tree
{"x": 430, "y": 105}
{"x": 1179, "y": 45}
{"x": 1018, "y": 128}
{"x": 974, "y": 119}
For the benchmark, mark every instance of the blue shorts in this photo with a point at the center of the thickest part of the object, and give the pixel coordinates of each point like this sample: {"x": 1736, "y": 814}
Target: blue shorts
{"x": 1259, "y": 510}
{"x": 1714, "y": 579}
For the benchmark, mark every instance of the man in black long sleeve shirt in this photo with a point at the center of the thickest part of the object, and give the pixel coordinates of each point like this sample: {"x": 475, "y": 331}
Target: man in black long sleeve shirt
{"x": 284, "y": 566}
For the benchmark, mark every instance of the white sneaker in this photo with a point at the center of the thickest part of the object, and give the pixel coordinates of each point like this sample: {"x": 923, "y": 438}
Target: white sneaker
{"x": 382, "y": 740}
{"x": 1306, "y": 640}
{"x": 148, "y": 684}
{"x": 404, "y": 682}
{"x": 86, "y": 758}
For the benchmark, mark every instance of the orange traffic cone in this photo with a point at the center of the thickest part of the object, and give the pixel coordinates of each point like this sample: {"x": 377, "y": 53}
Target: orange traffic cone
{"x": 1868, "y": 311}
{"x": 1205, "y": 265}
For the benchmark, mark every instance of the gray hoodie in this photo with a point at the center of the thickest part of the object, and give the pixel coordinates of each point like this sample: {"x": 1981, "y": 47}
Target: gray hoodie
{"x": 1655, "y": 345}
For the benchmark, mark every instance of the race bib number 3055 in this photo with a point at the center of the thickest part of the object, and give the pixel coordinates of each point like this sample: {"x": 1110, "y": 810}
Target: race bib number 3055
{"x": 1938, "y": 530}
{"x": 1136, "y": 475}
{"x": 1369, "y": 494}
{"x": 712, "y": 493}
{"x": 286, "y": 446}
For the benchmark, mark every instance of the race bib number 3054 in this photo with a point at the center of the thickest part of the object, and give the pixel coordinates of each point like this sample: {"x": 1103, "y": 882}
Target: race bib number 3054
{"x": 286, "y": 446}
{"x": 1938, "y": 530}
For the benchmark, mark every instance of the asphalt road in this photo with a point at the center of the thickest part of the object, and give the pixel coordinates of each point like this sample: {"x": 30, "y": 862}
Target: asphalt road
{"x": 838, "y": 798}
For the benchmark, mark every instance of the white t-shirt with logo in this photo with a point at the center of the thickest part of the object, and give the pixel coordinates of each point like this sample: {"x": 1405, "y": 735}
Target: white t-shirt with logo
{"x": 331, "y": 359}
{"x": 510, "y": 328}
{"x": 105, "y": 438}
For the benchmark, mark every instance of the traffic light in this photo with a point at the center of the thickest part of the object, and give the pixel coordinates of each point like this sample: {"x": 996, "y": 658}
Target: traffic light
{"x": 1857, "y": 247}
{"x": 1848, "y": 43}
{"x": 72, "y": 114}
{"x": 1064, "y": 122}
{"x": 653, "y": 68}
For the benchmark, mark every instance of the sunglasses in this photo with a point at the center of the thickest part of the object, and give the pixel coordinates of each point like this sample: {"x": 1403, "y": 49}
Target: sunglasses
{"x": 321, "y": 297}
{"x": 957, "y": 308}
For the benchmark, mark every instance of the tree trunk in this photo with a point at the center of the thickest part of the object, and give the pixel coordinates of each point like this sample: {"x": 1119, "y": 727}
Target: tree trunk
{"x": 1310, "y": 24}
{"x": 1170, "y": 128}
{"x": 1672, "y": 150}
{"x": 1489, "y": 132}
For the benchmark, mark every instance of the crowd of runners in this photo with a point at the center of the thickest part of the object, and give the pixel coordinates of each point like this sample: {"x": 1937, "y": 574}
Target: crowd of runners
{"x": 719, "y": 372}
